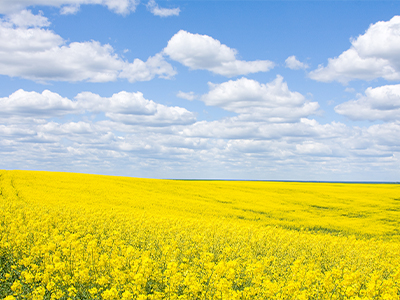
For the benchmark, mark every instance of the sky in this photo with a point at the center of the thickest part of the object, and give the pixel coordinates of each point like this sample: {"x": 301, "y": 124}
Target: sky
{"x": 257, "y": 90}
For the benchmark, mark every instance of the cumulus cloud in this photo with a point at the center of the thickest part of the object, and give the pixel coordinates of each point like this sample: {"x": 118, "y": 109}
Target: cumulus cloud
{"x": 134, "y": 109}
{"x": 26, "y": 40}
{"x": 36, "y": 53}
{"x": 87, "y": 61}
{"x": 122, "y": 102}
{"x": 36, "y": 105}
{"x": 272, "y": 102}
{"x": 374, "y": 54}
{"x": 153, "y": 7}
{"x": 68, "y": 6}
{"x": 145, "y": 71}
{"x": 381, "y": 103}
{"x": 205, "y": 53}
{"x": 25, "y": 19}
{"x": 292, "y": 63}
{"x": 123, "y": 107}
{"x": 385, "y": 135}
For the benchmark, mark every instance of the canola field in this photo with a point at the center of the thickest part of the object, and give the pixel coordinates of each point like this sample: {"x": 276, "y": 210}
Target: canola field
{"x": 75, "y": 236}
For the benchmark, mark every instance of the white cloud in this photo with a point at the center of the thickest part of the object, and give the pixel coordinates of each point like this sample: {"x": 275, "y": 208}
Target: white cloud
{"x": 123, "y": 107}
{"x": 237, "y": 128}
{"x": 313, "y": 148}
{"x": 54, "y": 128}
{"x": 87, "y": 61}
{"x": 25, "y": 41}
{"x": 162, "y": 12}
{"x": 118, "y": 6}
{"x": 272, "y": 102}
{"x": 164, "y": 116}
{"x": 134, "y": 109}
{"x": 70, "y": 9}
{"x": 203, "y": 52}
{"x": 41, "y": 55}
{"x": 374, "y": 54}
{"x": 188, "y": 96}
{"x": 385, "y": 135}
{"x": 25, "y": 19}
{"x": 122, "y": 102}
{"x": 350, "y": 66}
{"x": 294, "y": 64}
{"x": 382, "y": 40}
{"x": 381, "y": 103}
{"x": 145, "y": 71}
{"x": 31, "y": 104}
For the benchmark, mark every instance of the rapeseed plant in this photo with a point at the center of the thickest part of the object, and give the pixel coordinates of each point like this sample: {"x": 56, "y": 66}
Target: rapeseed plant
{"x": 73, "y": 236}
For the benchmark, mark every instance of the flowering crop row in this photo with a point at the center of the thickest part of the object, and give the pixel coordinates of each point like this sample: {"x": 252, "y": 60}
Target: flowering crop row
{"x": 70, "y": 236}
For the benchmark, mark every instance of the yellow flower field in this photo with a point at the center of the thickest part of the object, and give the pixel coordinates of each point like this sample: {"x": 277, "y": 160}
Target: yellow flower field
{"x": 76, "y": 236}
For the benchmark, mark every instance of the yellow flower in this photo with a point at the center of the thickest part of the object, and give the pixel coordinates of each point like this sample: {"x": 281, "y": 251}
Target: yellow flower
{"x": 127, "y": 295}
{"x": 110, "y": 294}
{"x": 16, "y": 287}
{"x": 72, "y": 291}
{"x": 93, "y": 291}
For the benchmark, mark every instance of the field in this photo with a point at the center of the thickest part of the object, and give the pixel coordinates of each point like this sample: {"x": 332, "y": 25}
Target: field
{"x": 76, "y": 236}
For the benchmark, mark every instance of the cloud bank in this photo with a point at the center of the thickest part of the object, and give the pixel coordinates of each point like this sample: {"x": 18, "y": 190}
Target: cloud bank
{"x": 272, "y": 135}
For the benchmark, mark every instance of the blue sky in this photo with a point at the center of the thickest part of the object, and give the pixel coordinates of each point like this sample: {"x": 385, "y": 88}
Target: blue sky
{"x": 270, "y": 90}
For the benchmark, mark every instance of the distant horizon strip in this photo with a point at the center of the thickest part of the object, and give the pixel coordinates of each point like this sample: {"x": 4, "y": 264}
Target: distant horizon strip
{"x": 300, "y": 181}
